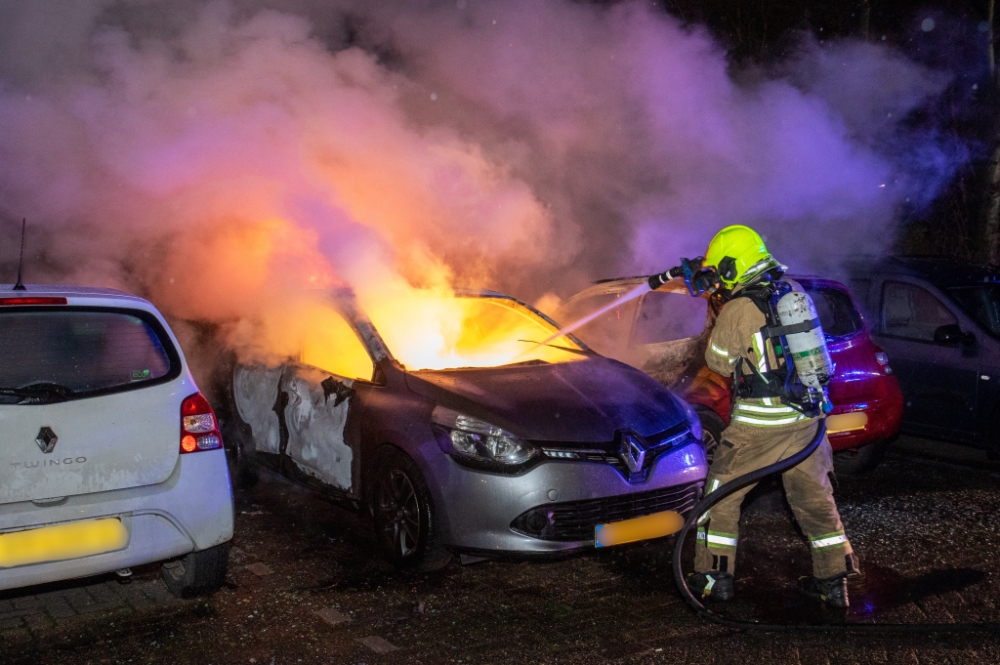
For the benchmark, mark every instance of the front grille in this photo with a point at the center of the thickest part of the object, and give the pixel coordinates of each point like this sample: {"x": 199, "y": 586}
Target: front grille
{"x": 575, "y": 520}
{"x": 609, "y": 453}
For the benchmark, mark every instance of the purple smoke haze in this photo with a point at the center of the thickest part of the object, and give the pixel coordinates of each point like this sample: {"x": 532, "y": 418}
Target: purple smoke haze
{"x": 223, "y": 157}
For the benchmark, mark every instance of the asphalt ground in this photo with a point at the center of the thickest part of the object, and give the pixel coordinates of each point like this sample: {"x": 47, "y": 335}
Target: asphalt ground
{"x": 306, "y": 585}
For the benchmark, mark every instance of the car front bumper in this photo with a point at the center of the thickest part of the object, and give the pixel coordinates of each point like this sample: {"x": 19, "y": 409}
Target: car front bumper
{"x": 191, "y": 511}
{"x": 476, "y": 508}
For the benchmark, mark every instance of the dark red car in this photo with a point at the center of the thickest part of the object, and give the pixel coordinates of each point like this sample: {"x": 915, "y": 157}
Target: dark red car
{"x": 665, "y": 333}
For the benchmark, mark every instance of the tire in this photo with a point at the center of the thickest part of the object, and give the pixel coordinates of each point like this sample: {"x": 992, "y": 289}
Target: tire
{"x": 197, "y": 573}
{"x": 237, "y": 436}
{"x": 858, "y": 461}
{"x": 405, "y": 520}
{"x": 712, "y": 427}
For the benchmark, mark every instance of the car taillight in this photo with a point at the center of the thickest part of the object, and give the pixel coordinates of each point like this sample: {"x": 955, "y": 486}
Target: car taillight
{"x": 199, "y": 428}
{"x": 883, "y": 361}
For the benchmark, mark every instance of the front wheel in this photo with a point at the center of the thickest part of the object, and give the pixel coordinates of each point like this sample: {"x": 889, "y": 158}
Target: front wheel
{"x": 405, "y": 520}
{"x": 712, "y": 427}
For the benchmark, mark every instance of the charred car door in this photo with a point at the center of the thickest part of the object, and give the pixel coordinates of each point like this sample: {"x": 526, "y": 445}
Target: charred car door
{"x": 321, "y": 389}
{"x": 669, "y": 336}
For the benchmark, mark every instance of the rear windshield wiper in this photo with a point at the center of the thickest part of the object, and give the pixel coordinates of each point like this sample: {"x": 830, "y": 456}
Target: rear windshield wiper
{"x": 52, "y": 392}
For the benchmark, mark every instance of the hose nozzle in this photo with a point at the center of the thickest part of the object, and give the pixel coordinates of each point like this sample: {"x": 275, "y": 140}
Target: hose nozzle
{"x": 698, "y": 279}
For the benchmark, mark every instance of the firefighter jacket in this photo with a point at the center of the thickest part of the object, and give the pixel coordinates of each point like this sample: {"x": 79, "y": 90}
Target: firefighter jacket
{"x": 737, "y": 334}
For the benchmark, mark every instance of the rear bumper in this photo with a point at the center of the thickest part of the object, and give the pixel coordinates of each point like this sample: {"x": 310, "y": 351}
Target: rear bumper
{"x": 884, "y": 418}
{"x": 191, "y": 511}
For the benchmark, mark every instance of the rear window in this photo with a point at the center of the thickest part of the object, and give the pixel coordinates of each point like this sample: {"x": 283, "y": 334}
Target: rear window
{"x": 836, "y": 311}
{"x": 51, "y": 354}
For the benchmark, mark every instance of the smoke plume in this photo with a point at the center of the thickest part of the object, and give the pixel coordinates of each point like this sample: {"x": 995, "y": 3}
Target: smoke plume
{"x": 225, "y": 158}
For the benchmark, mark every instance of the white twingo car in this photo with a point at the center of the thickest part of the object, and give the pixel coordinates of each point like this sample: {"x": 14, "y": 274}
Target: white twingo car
{"x": 109, "y": 456}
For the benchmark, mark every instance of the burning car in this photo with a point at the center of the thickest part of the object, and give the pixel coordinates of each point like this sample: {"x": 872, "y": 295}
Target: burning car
{"x": 112, "y": 458}
{"x": 489, "y": 445}
{"x": 665, "y": 333}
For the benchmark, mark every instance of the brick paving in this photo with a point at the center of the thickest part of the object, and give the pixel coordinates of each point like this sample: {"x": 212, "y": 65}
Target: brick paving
{"x": 309, "y": 590}
{"x": 37, "y": 611}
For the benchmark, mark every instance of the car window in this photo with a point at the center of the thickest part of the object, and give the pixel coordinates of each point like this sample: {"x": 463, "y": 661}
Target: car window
{"x": 982, "y": 303}
{"x": 86, "y": 350}
{"x": 665, "y": 317}
{"x": 912, "y": 312}
{"x": 330, "y": 344}
{"x": 836, "y": 312}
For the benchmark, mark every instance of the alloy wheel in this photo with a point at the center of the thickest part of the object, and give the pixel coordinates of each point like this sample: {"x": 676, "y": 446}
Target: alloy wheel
{"x": 710, "y": 444}
{"x": 399, "y": 514}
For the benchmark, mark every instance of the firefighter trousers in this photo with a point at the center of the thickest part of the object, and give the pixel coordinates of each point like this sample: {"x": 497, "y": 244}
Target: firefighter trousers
{"x": 745, "y": 448}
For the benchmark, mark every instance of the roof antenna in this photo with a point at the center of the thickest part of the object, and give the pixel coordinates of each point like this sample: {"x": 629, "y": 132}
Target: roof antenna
{"x": 20, "y": 264}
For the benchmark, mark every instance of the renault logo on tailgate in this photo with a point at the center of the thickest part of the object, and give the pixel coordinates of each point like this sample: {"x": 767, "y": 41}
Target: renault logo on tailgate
{"x": 46, "y": 439}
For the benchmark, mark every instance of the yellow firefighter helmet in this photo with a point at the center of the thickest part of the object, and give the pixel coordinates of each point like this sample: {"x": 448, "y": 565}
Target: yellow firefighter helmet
{"x": 739, "y": 254}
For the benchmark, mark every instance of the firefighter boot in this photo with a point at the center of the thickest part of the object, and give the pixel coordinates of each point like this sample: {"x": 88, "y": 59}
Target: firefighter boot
{"x": 831, "y": 590}
{"x": 714, "y": 585}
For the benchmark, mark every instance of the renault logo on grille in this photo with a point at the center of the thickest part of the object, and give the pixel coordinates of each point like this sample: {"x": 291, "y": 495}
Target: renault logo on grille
{"x": 632, "y": 451}
{"x": 46, "y": 439}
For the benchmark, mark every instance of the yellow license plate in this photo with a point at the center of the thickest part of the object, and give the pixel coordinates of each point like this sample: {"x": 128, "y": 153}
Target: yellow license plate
{"x": 656, "y": 525}
{"x": 846, "y": 422}
{"x": 62, "y": 541}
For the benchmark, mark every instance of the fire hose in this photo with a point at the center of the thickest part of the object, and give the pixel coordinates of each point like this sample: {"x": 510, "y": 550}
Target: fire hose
{"x": 735, "y": 485}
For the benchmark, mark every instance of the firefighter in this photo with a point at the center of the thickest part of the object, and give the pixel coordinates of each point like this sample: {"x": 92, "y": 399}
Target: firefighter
{"x": 769, "y": 423}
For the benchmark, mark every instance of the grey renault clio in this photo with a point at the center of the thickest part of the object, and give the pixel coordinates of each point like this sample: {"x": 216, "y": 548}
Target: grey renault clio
{"x": 532, "y": 455}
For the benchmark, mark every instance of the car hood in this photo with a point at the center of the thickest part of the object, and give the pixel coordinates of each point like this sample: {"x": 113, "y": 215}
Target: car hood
{"x": 583, "y": 401}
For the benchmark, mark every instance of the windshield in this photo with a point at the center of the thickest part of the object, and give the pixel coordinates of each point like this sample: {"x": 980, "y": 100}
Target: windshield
{"x": 55, "y": 353}
{"x": 472, "y": 331}
{"x": 982, "y": 303}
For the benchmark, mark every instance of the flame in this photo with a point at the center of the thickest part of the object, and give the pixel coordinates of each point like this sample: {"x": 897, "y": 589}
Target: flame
{"x": 435, "y": 330}
{"x": 429, "y": 328}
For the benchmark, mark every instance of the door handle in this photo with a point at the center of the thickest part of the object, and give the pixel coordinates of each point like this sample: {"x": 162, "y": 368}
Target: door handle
{"x": 332, "y": 386}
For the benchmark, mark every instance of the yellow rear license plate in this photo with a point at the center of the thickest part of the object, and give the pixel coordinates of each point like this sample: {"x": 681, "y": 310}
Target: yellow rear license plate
{"x": 62, "y": 541}
{"x": 846, "y": 422}
{"x": 656, "y": 525}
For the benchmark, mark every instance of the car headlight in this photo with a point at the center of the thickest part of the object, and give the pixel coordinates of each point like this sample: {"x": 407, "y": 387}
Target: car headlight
{"x": 478, "y": 440}
{"x": 692, "y": 416}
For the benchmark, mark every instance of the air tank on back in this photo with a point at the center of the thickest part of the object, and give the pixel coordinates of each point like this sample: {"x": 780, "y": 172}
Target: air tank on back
{"x": 808, "y": 349}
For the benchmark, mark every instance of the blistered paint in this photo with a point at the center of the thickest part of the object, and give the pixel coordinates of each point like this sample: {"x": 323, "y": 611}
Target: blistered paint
{"x": 316, "y": 420}
{"x": 255, "y": 389}
{"x": 372, "y": 340}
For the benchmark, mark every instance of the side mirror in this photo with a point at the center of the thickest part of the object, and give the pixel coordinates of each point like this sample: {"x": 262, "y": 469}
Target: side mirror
{"x": 952, "y": 334}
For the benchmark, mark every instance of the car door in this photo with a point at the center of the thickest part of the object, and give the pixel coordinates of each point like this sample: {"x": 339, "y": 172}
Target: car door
{"x": 321, "y": 388}
{"x": 939, "y": 377}
{"x": 669, "y": 335}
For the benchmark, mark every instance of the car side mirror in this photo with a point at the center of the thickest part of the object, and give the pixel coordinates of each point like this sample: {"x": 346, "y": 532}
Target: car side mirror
{"x": 952, "y": 334}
